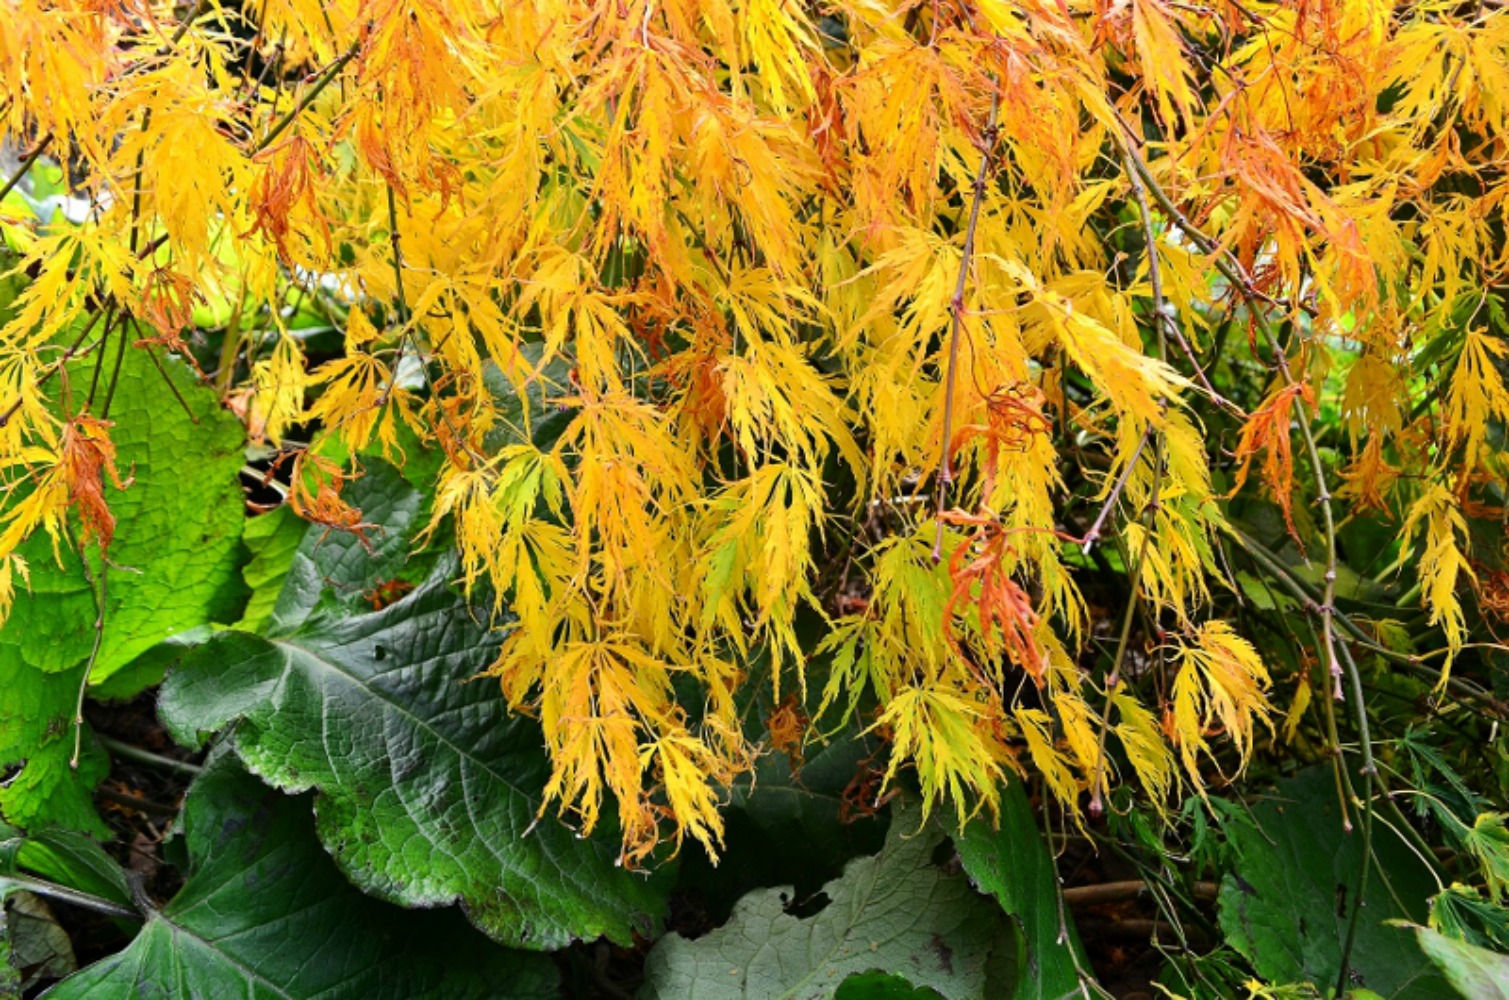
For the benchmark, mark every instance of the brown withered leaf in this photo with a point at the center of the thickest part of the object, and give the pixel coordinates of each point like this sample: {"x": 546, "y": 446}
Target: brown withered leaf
{"x": 1267, "y": 431}
{"x": 1003, "y": 605}
{"x": 315, "y": 495}
{"x": 88, "y": 456}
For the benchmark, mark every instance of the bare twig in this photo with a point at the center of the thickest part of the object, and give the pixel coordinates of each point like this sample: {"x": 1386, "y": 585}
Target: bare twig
{"x": 1494, "y": 709}
{"x": 1149, "y": 514}
{"x": 122, "y": 749}
{"x": 1163, "y": 314}
{"x": 1121, "y": 892}
{"x": 1093, "y": 535}
{"x": 1123, "y": 642}
{"x": 135, "y": 802}
{"x": 1369, "y": 774}
{"x": 25, "y": 166}
{"x": 320, "y": 83}
{"x": 188, "y": 21}
{"x": 401, "y": 300}
{"x": 1241, "y": 280}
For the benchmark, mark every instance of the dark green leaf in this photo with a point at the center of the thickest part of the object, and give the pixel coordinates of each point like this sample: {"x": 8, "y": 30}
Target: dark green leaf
{"x": 802, "y": 803}
{"x": 429, "y": 788}
{"x": 339, "y": 562}
{"x": 896, "y": 913}
{"x": 67, "y": 858}
{"x": 1012, "y": 864}
{"x": 39, "y": 948}
{"x": 1287, "y": 904}
{"x": 148, "y": 669}
{"x": 881, "y": 986}
{"x": 777, "y": 807}
{"x": 532, "y": 415}
{"x": 264, "y": 914}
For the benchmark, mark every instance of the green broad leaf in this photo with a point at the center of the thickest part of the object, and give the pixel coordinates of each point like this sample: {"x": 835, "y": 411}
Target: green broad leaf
{"x": 337, "y": 566}
{"x": 419, "y": 462}
{"x": 1369, "y": 543}
{"x": 1287, "y": 904}
{"x": 65, "y": 858}
{"x": 36, "y": 727}
{"x": 177, "y": 532}
{"x": 273, "y": 539}
{"x": 1012, "y": 864}
{"x": 148, "y": 669}
{"x": 1476, "y": 973}
{"x": 265, "y": 914}
{"x": 802, "y": 801}
{"x": 896, "y": 913}
{"x": 780, "y": 804}
{"x": 430, "y": 790}
{"x": 173, "y": 567}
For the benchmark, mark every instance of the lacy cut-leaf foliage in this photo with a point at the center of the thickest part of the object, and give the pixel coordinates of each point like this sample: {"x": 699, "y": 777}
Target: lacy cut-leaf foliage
{"x": 844, "y": 317}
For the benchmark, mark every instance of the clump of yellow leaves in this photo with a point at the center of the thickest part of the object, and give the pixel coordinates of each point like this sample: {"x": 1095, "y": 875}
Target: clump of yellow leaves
{"x": 833, "y": 298}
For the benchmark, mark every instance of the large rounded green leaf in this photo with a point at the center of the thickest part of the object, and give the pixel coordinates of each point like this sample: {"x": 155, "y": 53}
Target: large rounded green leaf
{"x": 430, "y": 790}
{"x": 1476, "y": 973}
{"x": 1287, "y": 904}
{"x": 264, "y": 915}
{"x": 342, "y": 567}
{"x": 173, "y": 563}
{"x": 896, "y": 913}
{"x": 172, "y": 568}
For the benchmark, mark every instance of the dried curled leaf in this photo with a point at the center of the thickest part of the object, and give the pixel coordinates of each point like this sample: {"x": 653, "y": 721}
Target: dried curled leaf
{"x": 314, "y": 494}
{"x": 1267, "y": 431}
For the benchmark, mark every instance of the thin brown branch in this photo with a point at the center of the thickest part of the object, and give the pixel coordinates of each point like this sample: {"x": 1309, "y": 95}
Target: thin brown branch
{"x": 1369, "y": 775}
{"x": 1163, "y": 313}
{"x": 26, "y": 165}
{"x": 1493, "y": 709}
{"x": 320, "y": 83}
{"x": 1121, "y": 892}
{"x": 956, "y": 322}
{"x": 135, "y": 802}
{"x": 1241, "y": 280}
{"x": 1093, "y": 535}
{"x": 401, "y": 300}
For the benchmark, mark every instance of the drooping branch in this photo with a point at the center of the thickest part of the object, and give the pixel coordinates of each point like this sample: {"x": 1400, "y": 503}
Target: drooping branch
{"x": 956, "y": 321}
{"x": 1235, "y": 273}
